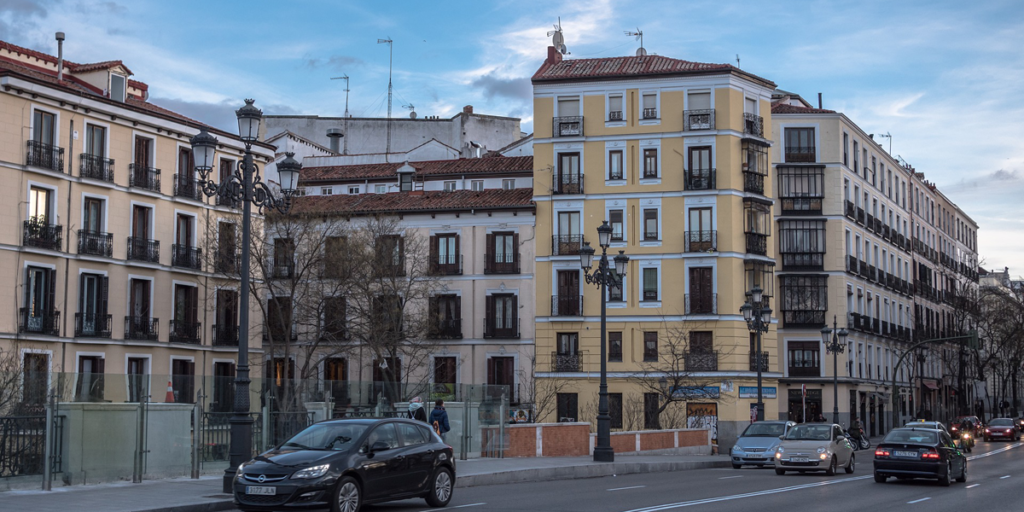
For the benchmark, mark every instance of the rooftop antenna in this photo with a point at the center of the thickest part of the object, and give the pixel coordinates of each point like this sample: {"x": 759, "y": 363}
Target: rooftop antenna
{"x": 556, "y": 38}
{"x": 737, "y": 60}
{"x": 391, "y": 59}
{"x": 345, "y": 78}
{"x": 412, "y": 110}
{"x": 888, "y": 136}
{"x": 639, "y": 37}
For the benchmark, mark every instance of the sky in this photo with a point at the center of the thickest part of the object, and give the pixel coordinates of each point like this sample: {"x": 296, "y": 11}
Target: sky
{"x": 944, "y": 78}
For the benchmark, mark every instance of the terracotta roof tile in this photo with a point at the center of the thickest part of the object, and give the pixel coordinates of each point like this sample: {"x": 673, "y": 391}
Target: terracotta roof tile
{"x": 407, "y": 202}
{"x": 494, "y": 165}
{"x": 82, "y": 68}
{"x": 622, "y": 67}
{"x": 785, "y": 108}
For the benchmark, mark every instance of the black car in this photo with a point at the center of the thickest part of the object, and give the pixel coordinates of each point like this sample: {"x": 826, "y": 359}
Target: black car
{"x": 919, "y": 453}
{"x": 343, "y": 464}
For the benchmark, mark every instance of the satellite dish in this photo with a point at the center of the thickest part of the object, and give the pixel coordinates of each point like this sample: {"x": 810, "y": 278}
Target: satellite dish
{"x": 562, "y": 49}
{"x": 557, "y": 40}
{"x": 412, "y": 115}
{"x": 641, "y": 52}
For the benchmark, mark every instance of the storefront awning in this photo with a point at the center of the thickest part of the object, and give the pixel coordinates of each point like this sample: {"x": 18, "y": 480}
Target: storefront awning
{"x": 930, "y": 384}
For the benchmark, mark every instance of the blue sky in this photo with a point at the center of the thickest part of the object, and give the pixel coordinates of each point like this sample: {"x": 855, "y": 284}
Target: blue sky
{"x": 944, "y": 78}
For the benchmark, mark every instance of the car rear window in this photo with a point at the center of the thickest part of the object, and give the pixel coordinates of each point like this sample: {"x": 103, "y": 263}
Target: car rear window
{"x": 1001, "y": 422}
{"x": 911, "y": 436}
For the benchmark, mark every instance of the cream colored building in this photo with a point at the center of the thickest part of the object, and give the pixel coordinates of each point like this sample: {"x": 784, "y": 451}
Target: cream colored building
{"x": 118, "y": 265}
{"x": 674, "y": 154}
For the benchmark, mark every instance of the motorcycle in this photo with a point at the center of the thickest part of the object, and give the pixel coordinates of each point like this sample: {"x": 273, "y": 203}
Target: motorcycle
{"x": 861, "y": 443}
{"x": 966, "y": 441}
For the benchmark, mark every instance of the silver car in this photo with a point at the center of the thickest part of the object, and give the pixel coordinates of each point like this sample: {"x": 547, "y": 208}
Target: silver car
{"x": 814, "y": 447}
{"x": 756, "y": 445}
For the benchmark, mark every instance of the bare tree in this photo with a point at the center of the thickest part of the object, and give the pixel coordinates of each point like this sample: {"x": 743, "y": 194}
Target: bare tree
{"x": 541, "y": 394}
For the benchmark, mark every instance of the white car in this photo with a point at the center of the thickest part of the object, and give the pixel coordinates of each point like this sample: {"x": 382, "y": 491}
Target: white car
{"x": 814, "y": 447}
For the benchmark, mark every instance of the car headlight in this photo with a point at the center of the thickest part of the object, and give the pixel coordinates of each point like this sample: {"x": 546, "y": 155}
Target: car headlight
{"x": 736, "y": 448}
{"x": 781, "y": 450}
{"x": 240, "y": 466}
{"x": 313, "y": 472}
{"x": 821, "y": 449}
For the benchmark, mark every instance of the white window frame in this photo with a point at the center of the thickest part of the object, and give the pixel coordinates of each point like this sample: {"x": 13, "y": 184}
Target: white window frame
{"x": 353, "y": 190}
{"x": 650, "y": 204}
{"x": 510, "y": 183}
{"x": 619, "y": 204}
{"x": 641, "y": 265}
{"x": 477, "y": 185}
{"x": 449, "y": 186}
{"x": 608, "y": 108}
{"x": 609, "y": 147}
{"x": 650, "y": 144}
{"x": 326, "y": 191}
{"x": 657, "y": 105}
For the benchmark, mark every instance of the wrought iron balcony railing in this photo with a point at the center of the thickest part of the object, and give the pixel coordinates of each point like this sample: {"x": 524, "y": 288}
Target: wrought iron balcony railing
{"x": 186, "y": 257}
{"x": 694, "y": 120}
{"x": 96, "y": 167}
{"x": 753, "y": 182}
{"x": 39, "y": 322}
{"x": 95, "y": 243}
{"x": 501, "y": 328}
{"x": 226, "y": 262}
{"x": 615, "y": 115}
{"x": 700, "y": 241}
{"x": 699, "y": 179}
{"x": 567, "y": 183}
{"x": 141, "y": 328}
{"x": 701, "y": 304}
{"x": 566, "y": 245}
{"x": 566, "y": 362}
{"x": 445, "y": 329}
{"x": 448, "y": 265}
{"x": 141, "y": 249}
{"x": 852, "y": 265}
{"x": 47, "y": 156}
{"x": 566, "y": 305}
{"x": 804, "y": 205}
{"x": 185, "y": 332}
{"x": 701, "y": 361}
{"x": 92, "y": 325}
{"x": 225, "y": 335}
{"x": 803, "y": 318}
{"x": 567, "y": 126}
{"x": 145, "y": 177}
{"x": 763, "y": 360}
{"x": 757, "y": 243}
{"x": 851, "y": 210}
{"x": 187, "y": 187}
{"x": 798, "y": 154}
{"x": 501, "y": 264}
{"x": 753, "y": 124}
{"x": 37, "y": 233}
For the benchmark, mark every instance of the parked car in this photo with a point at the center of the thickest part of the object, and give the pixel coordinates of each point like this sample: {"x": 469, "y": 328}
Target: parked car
{"x": 919, "y": 453}
{"x": 756, "y": 445}
{"x": 343, "y": 464}
{"x": 1002, "y": 428}
{"x": 814, "y": 447}
{"x": 928, "y": 424}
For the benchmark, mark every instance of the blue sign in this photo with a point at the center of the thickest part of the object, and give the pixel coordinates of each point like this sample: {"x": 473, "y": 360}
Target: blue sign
{"x": 751, "y": 392}
{"x": 695, "y": 392}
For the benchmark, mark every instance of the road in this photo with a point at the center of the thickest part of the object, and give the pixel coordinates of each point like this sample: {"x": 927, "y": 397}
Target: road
{"x": 994, "y": 482}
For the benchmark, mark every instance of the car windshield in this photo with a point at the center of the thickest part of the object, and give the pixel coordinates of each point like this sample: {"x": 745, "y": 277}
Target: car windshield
{"x": 1001, "y": 422}
{"x": 911, "y": 436}
{"x": 764, "y": 430}
{"x": 326, "y": 436}
{"x": 810, "y": 433}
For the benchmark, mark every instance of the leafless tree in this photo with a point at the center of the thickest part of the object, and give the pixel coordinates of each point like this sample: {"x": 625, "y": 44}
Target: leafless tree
{"x": 541, "y": 394}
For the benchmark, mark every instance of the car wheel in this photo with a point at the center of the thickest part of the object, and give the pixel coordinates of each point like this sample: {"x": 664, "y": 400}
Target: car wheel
{"x": 944, "y": 477}
{"x": 737, "y": 466}
{"x": 780, "y": 471}
{"x": 852, "y": 465}
{"x": 963, "y": 474}
{"x": 441, "y": 488}
{"x": 880, "y": 478}
{"x": 831, "y": 471}
{"x": 348, "y": 497}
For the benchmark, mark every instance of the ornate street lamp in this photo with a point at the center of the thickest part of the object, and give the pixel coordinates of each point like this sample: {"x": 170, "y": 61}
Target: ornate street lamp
{"x": 604, "y": 278}
{"x": 834, "y": 339}
{"x": 759, "y": 319}
{"x": 245, "y": 187}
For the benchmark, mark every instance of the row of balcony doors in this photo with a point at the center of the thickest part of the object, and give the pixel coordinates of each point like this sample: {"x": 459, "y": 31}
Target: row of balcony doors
{"x": 568, "y": 290}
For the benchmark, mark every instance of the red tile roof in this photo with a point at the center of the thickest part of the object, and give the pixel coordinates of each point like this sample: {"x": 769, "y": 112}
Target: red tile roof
{"x": 410, "y": 202}
{"x": 630, "y": 67}
{"x": 477, "y": 166}
{"x": 785, "y": 108}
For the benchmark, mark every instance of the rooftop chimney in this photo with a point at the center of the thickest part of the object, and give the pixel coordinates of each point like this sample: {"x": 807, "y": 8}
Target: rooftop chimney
{"x": 468, "y": 109}
{"x": 554, "y": 56}
{"x": 819, "y": 101}
{"x": 334, "y": 134}
{"x": 60, "y": 55}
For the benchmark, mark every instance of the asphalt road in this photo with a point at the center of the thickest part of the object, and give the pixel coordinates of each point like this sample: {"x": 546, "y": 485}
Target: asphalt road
{"x": 994, "y": 482}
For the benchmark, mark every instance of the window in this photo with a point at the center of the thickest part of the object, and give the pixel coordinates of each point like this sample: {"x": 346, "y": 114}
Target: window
{"x": 568, "y": 407}
{"x": 615, "y": 409}
{"x": 477, "y": 185}
{"x": 38, "y": 313}
{"x": 326, "y": 191}
{"x": 804, "y": 300}
{"x": 802, "y": 244}
{"x": 44, "y": 128}
{"x": 36, "y": 374}
{"x": 568, "y": 179}
{"x": 390, "y": 255}
{"x": 804, "y": 359}
{"x": 185, "y": 323}
{"x": 757, "y": 226}
{"x": 225, "y": 330}
{"x": 227, "y": 253}
{"x": 846, "y": 149}
{"x": 445, "y": 321}
{"x": 700, "y": 237}
{"x": 380, "y": 189}
{"x": 501, "y": 255}
{"x": 615, "y": 347}
{"x": 95, "y": 140}
{"x": 92, "y": 221}
{"x": 699, "y": 174}
{"x": 615, "y": 287}
{"x": 760, "y": 273}
{"x": 615, "y": 107}
{"x": 701, "y": 297}
{"x": 651, "y": 224}
{"x": 334, "y": 323}
{"x": 353, "y": 190}
{"x": 800, "y": 145}
{"x": 615, "y": 221}
{"x": 615, "y": 165}
{"x": 39, "y": 206}
{"x": 650, "y": 346}
{"x": 650, "y": 163}
{"x": 650, "y": 283}
{"x": 449, "y": 186}
{"x": 335, "y": 264}
{"x": 699, "y": 115}
{"x": 445, "y": 372}
{"x": 183, "y": 381}
{"x": 444, "y": 254}
{"x": 502, "y": 316}
{"x": 284, "y": 257}
{"x": 90, "y": 379}
{"x": 501, "y": 371}
{"x": 802, "y": 189}
{"x": 650, "y": 101}
{"x": 508, "y": 184}
{"x": 412, "y": 434}
{"x": 405, "y": 182}
{"x": 651, "y": 406}
{"x": 279, "y": 318}
{"x": 118, "y": 87}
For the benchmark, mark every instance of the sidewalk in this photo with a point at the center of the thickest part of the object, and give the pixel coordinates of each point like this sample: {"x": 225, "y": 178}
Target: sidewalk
{"x": 204, "y": 494}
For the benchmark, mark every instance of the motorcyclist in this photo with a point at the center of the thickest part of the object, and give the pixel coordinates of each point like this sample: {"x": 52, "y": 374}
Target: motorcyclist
{"x": 967, "y": 433}
{"x": 856, "y": 431}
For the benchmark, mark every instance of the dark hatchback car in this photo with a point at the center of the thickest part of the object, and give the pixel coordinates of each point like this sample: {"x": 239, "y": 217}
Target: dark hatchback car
{"x": 920, "y": 453}
{"x": 343, "y": 464}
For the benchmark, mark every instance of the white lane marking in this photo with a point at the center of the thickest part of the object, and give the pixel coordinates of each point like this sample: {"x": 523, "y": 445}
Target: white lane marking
{"x": 728, "y": 477}
{"x": 918, "y": 501}
{"x": 994, "y": 452}
{"x": 972, "y": 486}
{"x": 459, "y": 506}
{"x": 668, "y": 506}
{"x": 1004, "y": 477}
{"x": 624, "y": 488}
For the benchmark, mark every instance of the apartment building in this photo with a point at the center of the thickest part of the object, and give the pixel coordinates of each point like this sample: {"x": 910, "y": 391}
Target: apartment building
{"x": 850, "y": 244}
{"x": 123, "y": 273}
{"x": 674, "y": 155}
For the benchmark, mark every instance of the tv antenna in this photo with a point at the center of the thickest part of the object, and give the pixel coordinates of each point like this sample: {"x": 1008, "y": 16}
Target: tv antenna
{"x": 391, "y": 60}
{"x": 345, "y": 78}
{"x": 888, "y": 136}
{"x": 737, "y": 60}
{"x": 556, "y": 38}
{"x": 412, "y": 110}
{"x": 641, "y": 52}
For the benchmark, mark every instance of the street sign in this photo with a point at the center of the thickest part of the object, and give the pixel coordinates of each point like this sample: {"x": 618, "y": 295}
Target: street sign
{"x": 751, "y": 392}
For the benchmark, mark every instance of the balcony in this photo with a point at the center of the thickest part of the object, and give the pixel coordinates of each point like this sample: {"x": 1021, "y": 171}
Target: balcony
{"x": 757, "y": 243}
{"x": 445, "y": 329}
{"x": 876, "y": 325}
{"x": 187, "y": 187}
{"x": 39, "y": 234}
{"x": 44, "y": 155}
{"x": 145, "y": 177}
{"x": 803, "y": 261}
{"x": 567, "y": 183}
{"x": 870, "y": 223}
{"x": 852, "y": 265}
{"x": 566, "y": 362}
{"x": 860, "y": 215}
{"x": 699, "y": 179}
{"x": 141, "y": 249}
{"x": 95, "y": 243}
{"x": 96, "y": 167}
{"x": 448, "y": 265}
{"x": 615, "y": 115}
{"x": 754, "y": 361}
{"x": 566, "y": 305}
{"x": 499, "y": 328}
{"x": 39, "y": 322}
{"x": 225, "y": 335}
{"x": 227, "y": 262}
{"x": 802, "y": 205}
{"x": 141, "y": 328}
{"x": 800, "y": 154}
{"x": 753, "y": 182}
{"x": 185, "y": 332}
{"x": 878, "y": 225}
{"x": 885, "y": 329}
{"x": 803, "y": 318}
{"x": 696, "y": 120}
{"x": 282, "y": 269}
{"x": 863, "y": 270}
{"x": 753, "y": 124}
{"x": 705, "y": 361}
{"x": 650, "y": 113}
{"x": 850, "y": 210}
{"x": 493, "y": 266}
{"x": 701, "y": 304}
{"x": 700, "y": 241}
{"x": 872, "y": 273}
{"x": 91, "y": 325}
{"x": 186, "y": 257}
{"x": 567, "y": 126}
{"x": 804, "y": 371}
{"x": 566, "y": 245}
{"x": 886, "y": 232}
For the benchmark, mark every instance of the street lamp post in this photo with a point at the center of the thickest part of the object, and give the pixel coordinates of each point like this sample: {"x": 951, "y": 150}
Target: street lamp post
{"x": 243, "y": 186}
{"x": 759, "y": 318}
{"x": 604, "y": 278}
{"x": 835, "y": 343}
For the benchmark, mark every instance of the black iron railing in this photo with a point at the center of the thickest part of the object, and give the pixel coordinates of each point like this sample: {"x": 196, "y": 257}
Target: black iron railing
{"x": 800, "y": 153}
{"x": 142, "y": 176}
{"x": 851, "y": 263}
{"x": 700, "y": 241}
{"x": 566, "y": 245}
{"x": 445, "y": 329}
{"x": 23, "y": 445}
{"x": 141, "y": 328}
{"x": 44, "y": 155}
{"x": 798, "y": 205}
{"x": 185, "y": 332}
{"x": 699, "y": 179}
{"x": 186, "y": 257}
{"x": 447, "y": 265}
{"x": 567, "y": 126}
{"x": 615, "y": 115}
{"x": 501, "y": 328}
{"x": 567, "y": 183}
{"x": 754, "y": 360}
{"x": 753, "y": 124}
{"x": 803, "y": 318}
{"x": 694, "y": 120}
{"x": 650, "y": 113}
{"x": 37, "y": 233}
{"x": 39, "y": 322}
{"x": 753, "y": 182}
{"x": 187, "y": 187}
{"x": 504, "y": 264}
{"x": 95, "y": 243}
{"x": 141, "y": 249}
{"x": 226, "y": 262}
{"x": 566, "y": 305}
{"x": 225, "y": 335}
{"x": 96, "y": 167}
{"x": 757, "y": 243}
{"x": 566, "y": 362}
{"x": 702, "y": 304}
{"x": 703, "y": 361}
{"x": 850, "y": 210}
{"x": 804, "y": 371}
{"x": 803, "y": 261}
{"x": 92, "y": 325}
{"x": 282, "y": 269}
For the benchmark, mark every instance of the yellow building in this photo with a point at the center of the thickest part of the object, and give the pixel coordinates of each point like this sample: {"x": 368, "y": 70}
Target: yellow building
{"x": 674, "y": 155}
{"x": 122, "y": 274}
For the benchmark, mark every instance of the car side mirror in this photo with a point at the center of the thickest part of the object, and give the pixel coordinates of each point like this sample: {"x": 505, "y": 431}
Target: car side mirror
{"x": 782, "y": 437}
{"x": 379, "y": 446}
{"x": 840, "y": 438}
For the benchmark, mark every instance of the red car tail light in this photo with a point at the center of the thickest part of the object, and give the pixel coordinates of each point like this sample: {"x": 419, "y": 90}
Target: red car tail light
{"x": 932, "y": 454}
{"x": 881, "y": 453}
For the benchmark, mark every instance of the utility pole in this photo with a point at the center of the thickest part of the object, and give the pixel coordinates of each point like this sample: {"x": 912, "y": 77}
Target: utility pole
{"x": 391, "y": 59}
{"x": 344, "y": 77}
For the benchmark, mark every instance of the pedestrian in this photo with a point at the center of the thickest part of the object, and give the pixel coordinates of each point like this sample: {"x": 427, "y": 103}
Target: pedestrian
{"x": 416, "y": 411}
{"x": 820, "y": 418}
{"x": 439, "y": 419}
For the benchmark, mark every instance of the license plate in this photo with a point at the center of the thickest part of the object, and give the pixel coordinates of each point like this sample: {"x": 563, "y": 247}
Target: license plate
{"x": 904, "y": 454}
{"x": 799, "y": 459}
{"x": 260, "y": 490}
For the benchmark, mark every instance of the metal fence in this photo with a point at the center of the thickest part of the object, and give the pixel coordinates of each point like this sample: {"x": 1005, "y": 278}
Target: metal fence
{"x": 23, "y": 445}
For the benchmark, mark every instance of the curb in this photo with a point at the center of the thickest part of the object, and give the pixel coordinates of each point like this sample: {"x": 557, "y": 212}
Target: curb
{"x": 595, "y": 470}
{"x": 210, "y": 506}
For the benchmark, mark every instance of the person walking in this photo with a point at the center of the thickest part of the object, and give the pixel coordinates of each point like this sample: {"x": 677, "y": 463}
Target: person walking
{"x": 416, "y": 411}
{"x": 439, "y": 419}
